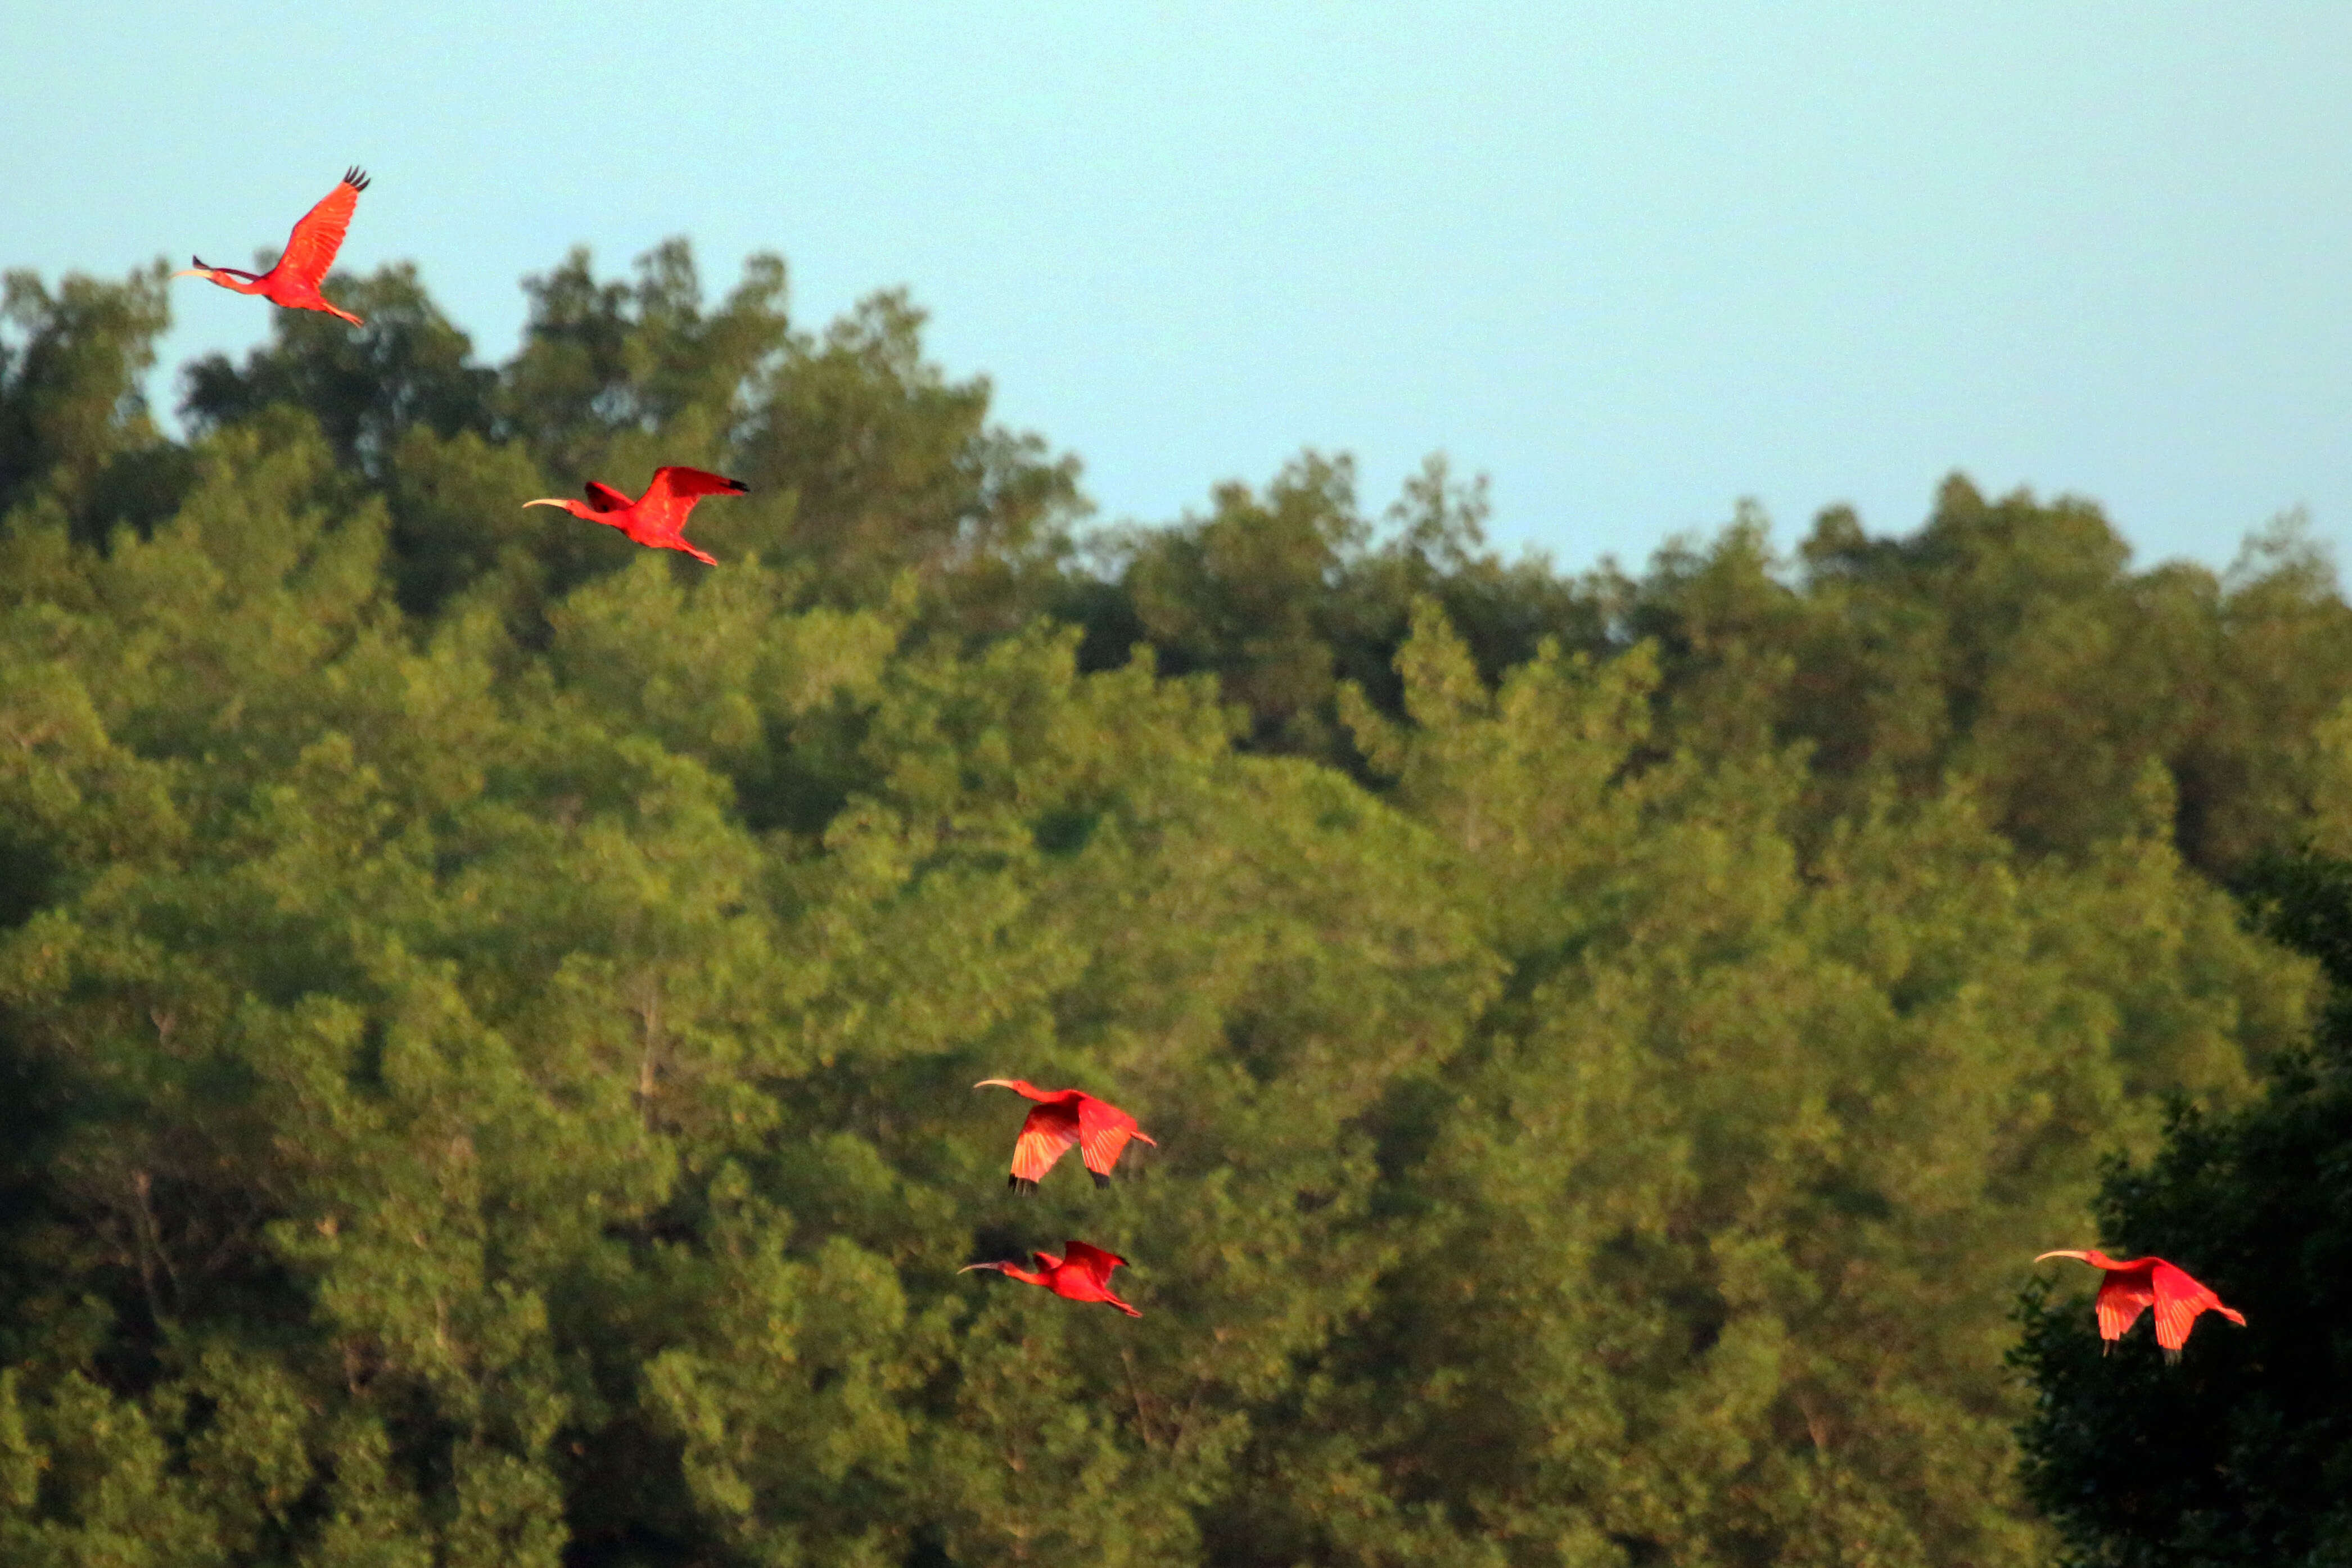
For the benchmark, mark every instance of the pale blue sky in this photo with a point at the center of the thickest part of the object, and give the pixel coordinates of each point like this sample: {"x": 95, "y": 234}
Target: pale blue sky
{"x": 1633, "y": 262}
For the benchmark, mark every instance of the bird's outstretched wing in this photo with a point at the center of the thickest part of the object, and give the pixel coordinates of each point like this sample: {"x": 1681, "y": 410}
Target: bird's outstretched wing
{"x": 674, "y": 491}
{"x": 2179, "y": 1300}
{"x": 310, "y": 248}
{"x": 678, "y": 481}
{"x": 687, "y": 484}
{"x": 605, "y": 498}
{"x": 1096, "y": 1262}
{"x": 2122, "y": 1298}
{"x": 1103, "y": 1131}
{"x": 1046, "y": 1135}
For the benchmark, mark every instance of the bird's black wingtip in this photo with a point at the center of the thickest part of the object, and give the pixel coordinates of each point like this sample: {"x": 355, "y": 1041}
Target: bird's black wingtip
{"x": 739, "y": 487}
{"x": 356, "y": 178}
{"x": 1019, "y": 1183}
{"x": 1100, "y": 1180}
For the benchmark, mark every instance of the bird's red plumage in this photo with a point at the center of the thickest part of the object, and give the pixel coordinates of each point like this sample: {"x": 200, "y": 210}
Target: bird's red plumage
{"x": 310, "y": 251}
{"x": 310, "y": 248}
{"x": 1096, "y": 1263}
{"x": 1045, "y": 1135}
{"x": 1063, "y": 1117}
{"x": 1103, "y": 1132}
{"x": 674, "y": 483}
{"x": 1081, "y": 1274}
{"x": 2135, "y": 1284}
{"x": 2122, "y": 1297}
{"x": 655, "y": 519}
{"x": 2179, "y": 1300}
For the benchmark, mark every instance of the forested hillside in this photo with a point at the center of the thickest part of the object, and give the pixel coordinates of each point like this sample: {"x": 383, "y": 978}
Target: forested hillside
{"x": 488, "y": 1013}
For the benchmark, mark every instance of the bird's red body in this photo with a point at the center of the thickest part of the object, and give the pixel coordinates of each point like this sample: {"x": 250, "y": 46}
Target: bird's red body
{"x": 1081, "y": 1274}
{"x": 655, "y": 519}
{"x": 1063, "y": 1117}
{"x": 309, "y": 252}
{"x": 2135, "y": 1284}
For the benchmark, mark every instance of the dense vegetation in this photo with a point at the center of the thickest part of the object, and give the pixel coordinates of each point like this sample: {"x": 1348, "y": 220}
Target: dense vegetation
{"x": 488, "y": 1014}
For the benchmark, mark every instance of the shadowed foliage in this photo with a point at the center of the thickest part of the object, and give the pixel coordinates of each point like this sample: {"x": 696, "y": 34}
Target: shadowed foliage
{"x": 2240, "y": 1455}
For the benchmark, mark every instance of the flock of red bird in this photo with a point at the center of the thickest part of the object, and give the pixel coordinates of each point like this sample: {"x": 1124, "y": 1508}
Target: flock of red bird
{"x": 1100, "y": 1129}
{"x": 655, "y": 519}
{"x": 1063, "y": 1117}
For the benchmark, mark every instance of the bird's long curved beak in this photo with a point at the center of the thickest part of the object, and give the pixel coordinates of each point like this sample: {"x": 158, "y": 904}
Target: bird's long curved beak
{"x": 545, "y": 501}
{"x": 970, "y": 1267}
{"x": 2078, "y": 1256}
{"x": 997, "y": 1083}
{"x": 191, "y": 272}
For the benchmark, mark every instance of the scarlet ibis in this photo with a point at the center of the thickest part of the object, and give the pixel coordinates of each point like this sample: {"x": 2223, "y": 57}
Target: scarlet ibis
{"x": 1081, "y": 1274}
{"x": 2136, "y": 1283}
{"x": 310, "y": 251}
{"x": 1063, "y": 1117}
{"x": 658, "y": 517}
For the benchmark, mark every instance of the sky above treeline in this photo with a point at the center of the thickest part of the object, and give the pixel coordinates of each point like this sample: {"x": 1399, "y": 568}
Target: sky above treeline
{"x": 1633, "y": 266}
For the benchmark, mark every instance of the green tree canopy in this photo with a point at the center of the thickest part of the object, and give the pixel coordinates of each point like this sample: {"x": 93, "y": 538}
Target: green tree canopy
{"x": 488, "y": 1012}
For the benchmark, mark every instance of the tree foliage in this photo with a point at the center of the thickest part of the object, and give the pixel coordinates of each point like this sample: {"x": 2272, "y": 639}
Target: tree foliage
{"x": 488, "y": 1014}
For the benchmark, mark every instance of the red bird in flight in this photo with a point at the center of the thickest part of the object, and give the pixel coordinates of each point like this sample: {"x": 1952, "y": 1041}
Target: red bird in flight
{"x": 1063, "y": 1117}
{"x": 310, "y": 251}
{"x": 1081, "y": 1274}
{"x": 658, "y": 517}
{"x": 2133, "y": 1285}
